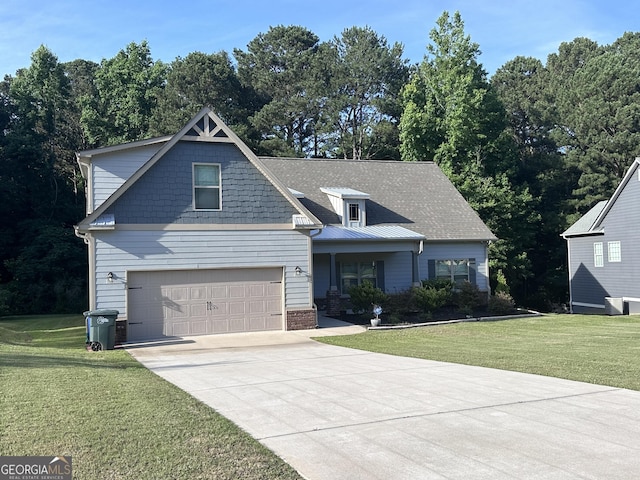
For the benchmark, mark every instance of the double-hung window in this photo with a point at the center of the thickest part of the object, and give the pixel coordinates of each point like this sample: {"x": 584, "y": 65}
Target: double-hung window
{"x": 456, "y": 271}
{"x": 354, "y": 273}
{"x": 598, "y": 255}
{"x": 207, "y": 191}
{"x": 614, "y": 253}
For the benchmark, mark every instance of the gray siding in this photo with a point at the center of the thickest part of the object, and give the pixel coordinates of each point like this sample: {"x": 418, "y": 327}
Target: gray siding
{"x": 585, "y": 281}
{"x": 164, "y": 194}
{"x": 122, "y": 251}
{"x": 397, "y": 270}
{"x": 614, "y": 279}
{"x": 111, "y": 170}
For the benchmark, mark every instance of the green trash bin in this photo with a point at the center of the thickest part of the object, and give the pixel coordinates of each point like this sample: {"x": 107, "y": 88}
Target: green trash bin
{"x": 101, "y": 329}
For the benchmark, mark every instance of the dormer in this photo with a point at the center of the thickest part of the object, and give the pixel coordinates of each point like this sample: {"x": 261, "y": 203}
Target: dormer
{"x": 349, "y": 204}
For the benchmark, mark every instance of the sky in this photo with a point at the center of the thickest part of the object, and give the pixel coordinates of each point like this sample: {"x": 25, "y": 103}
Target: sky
{"x": 96, "y": 30}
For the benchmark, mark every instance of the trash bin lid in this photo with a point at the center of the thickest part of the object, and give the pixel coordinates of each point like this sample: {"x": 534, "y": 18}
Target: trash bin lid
{"x": 101, "y": 313}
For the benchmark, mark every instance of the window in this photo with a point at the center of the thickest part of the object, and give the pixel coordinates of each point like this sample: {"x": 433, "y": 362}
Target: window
{"x": 353, "y": 274}
{"x": 456, "y": 271}
{"x": 614, "y": 252}
{"x": 354, "y": 212}
{"x": 598, "y": 255}
{"x": 206, "y": 186}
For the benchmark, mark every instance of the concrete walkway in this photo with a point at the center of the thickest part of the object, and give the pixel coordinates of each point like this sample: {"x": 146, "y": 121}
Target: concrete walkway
{"x": 336, "y": 413}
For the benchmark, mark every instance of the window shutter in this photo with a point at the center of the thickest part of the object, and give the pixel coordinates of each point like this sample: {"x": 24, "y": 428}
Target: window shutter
{"x": 380, "y": 275}
{"x": 431, "y": 269}
{"x": 472, "y": 271}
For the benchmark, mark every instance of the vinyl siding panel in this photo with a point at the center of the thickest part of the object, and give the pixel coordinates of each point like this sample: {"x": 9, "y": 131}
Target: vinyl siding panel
{"x": 111, "y": 170}
{"x": 122, "y": 251}
{"x": 445, "y": 251}
{"x": 584, "y": 274}
{"x": 591, "y": 284}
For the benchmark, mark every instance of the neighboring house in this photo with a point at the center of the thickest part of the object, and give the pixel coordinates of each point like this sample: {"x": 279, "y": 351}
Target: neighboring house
{"x": 194, "y": 234}
{"x": 604, "y": 252}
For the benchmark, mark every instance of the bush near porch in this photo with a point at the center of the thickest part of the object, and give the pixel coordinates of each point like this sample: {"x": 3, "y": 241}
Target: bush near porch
{"x": 434, "y": 300}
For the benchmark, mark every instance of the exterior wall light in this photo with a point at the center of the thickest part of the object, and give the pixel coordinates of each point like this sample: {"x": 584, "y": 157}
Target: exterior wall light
{"x": 298, "y": 271}
{"x": 110, "y": 277}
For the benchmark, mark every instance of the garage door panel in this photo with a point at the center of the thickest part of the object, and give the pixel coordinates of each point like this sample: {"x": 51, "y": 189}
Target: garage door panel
{"x": 257, "y": 290}
{"x": 220, "y": 326}
{"x": 181, "y": 303}
{"x": 273, "y": 322}
{"x": 237, "y": 324}
{"x": 237, "y": 291}
{"x": 219, "y": 292}
{"x": 198, "y": 310}
{"x": 237, "y": 308}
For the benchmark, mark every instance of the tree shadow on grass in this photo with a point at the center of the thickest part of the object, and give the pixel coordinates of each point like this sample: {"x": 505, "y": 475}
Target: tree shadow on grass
{"x": 23, "y": 360}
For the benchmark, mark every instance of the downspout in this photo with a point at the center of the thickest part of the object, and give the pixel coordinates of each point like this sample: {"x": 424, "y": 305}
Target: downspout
{"x": 89, "y": 240}
{"x": 569, "y": 275}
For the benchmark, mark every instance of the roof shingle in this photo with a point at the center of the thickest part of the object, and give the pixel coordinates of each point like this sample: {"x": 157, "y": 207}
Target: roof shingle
{"x": 415, "y": 195}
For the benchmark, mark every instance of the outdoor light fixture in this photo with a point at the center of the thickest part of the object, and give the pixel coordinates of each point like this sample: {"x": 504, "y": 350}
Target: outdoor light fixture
{"x": 110, "y": 277}
{"x": 298, "y": 271}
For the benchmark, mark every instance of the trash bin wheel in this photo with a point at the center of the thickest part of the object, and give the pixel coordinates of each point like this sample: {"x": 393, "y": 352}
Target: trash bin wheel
{"x": 96, "y": 346}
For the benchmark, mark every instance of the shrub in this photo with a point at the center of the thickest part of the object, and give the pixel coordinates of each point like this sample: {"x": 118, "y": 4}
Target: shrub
{"x": 365, "y": 296}
{"x": 468, "y": 297}
{"x": 438, "y": 284}
{"x": 401, "y": 303}
{"x": 429, "y": 299}
{"x": 501, "y": 303}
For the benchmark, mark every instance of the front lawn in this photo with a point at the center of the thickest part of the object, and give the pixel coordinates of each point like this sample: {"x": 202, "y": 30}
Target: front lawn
{"x": 596, "y": 349}
{"x": 114, "y": 417}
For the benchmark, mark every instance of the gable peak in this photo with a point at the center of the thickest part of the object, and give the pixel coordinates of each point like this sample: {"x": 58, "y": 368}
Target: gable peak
{"x": 207, "y": 128}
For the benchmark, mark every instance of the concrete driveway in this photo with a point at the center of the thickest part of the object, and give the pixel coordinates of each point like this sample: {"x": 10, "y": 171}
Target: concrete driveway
{"x": 336, "y": 413}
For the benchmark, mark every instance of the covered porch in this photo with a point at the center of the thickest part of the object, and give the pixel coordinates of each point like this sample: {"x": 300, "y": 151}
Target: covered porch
{"x": 386, "y": 256}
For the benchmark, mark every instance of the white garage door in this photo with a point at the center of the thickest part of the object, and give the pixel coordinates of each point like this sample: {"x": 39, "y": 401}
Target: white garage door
{"x": 202, "y": 302}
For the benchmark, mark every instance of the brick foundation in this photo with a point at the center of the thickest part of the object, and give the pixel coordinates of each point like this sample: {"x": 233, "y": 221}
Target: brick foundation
{"x": 333, "y": 303}
{"x": 302, "y": 319}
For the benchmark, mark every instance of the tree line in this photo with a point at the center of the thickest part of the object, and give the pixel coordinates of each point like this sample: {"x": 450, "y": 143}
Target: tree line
{"x": 532, "y": 148}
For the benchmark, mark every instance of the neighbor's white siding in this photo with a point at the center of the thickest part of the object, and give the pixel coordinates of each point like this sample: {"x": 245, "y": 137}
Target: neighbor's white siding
{"x": 122, "y": 251}
{"x": 111, "y": 170}
{"x": 444, "y": 251}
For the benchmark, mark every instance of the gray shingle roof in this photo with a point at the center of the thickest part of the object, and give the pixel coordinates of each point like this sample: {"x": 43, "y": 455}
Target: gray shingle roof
{"x": 584, "y": 225}
{"x": 415, "y": 195}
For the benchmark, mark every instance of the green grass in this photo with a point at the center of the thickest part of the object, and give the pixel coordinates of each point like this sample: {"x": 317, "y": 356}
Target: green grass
{"x": 596, "y": 349}
{"x": 115, "y": 418}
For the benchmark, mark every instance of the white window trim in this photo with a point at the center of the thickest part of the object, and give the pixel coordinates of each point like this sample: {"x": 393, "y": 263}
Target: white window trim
{"x": 219, "y": 186}
{"x": 614, "y": 252}
{"x": 598, "y": 255}
{"x": 356, "y": 209}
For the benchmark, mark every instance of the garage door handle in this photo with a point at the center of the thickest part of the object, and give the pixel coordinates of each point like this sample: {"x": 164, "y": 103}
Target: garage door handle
{"x": 276, "y": 314}
{"x": 135, "y": 323}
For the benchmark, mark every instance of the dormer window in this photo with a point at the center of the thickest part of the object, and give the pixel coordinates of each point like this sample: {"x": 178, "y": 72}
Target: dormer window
{"x": 354, "y": 212}
{"x": 349, "y": 204}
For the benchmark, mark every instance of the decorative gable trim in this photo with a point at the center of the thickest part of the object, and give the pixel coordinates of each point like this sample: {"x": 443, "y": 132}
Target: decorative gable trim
{"x": 207, "y": 129}
{"x": 205, "y": 126}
